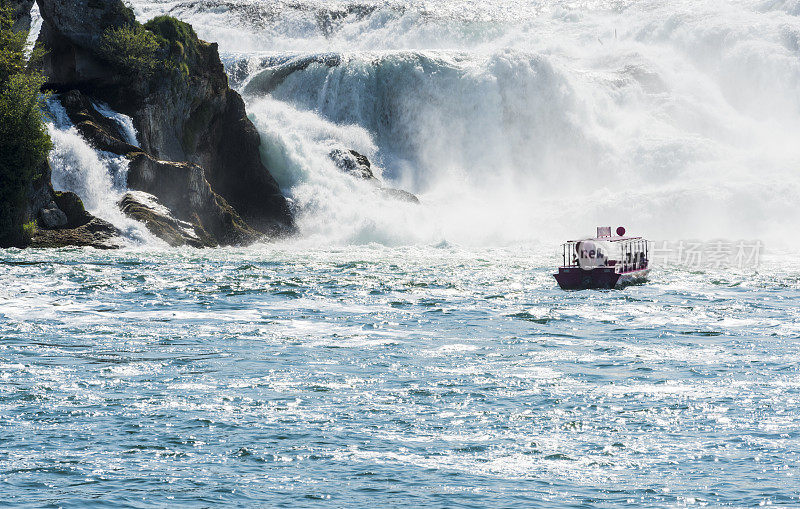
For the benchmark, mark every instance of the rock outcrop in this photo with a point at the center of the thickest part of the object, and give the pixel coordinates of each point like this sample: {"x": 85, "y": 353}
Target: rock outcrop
{"x": 358, "y": 166}
{"x": 146, "y": 209}
{"x": 40, "y": 194}
{"x": 185, "y": 112}
{"x": 61, "y": 219}
{"x": 95, "y": 233}
{"x": 353, "y": 163}
{"x": 65, "y": 222}
{"x": 183, "y": 189}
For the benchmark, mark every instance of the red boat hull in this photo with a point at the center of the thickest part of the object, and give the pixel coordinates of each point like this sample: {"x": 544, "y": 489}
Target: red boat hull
{"x": 575, "y": 278}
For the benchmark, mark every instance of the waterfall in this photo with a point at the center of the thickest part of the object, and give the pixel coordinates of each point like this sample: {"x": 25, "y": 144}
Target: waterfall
{"x": 98, "y": 178}
{"x": 515, "y": 121}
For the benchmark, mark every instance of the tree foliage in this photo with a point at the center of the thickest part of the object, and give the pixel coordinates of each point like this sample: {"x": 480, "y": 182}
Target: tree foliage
{"x": 12, "y": 45}
{"x": 24, "y": 141}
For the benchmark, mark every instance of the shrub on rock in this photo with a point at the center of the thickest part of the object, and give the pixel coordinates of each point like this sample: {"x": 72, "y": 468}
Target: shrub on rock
{"x": 133, "y": 49}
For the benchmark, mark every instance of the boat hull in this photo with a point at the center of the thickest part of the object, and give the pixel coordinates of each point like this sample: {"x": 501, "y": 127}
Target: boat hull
{"x": 575, "y": 278}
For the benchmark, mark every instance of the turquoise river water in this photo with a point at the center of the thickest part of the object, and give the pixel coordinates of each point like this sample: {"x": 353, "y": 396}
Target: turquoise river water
{"x": 387, "y": 377}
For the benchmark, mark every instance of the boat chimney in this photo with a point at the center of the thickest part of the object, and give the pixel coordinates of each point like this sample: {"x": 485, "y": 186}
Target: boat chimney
{"x": 603, "y": 231}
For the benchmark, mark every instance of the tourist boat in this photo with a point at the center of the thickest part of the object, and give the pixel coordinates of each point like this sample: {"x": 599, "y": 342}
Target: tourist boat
{"x": 605, "y": 261}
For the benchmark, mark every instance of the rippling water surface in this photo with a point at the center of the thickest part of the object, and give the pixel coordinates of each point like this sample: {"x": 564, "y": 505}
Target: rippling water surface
{"x": 391, "y": 376}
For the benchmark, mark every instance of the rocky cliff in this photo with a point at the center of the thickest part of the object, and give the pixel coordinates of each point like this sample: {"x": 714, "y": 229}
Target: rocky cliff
{"x": 22, "y": 13}
{"x": 178, "y": 96}
{"x": 180, "y": 187}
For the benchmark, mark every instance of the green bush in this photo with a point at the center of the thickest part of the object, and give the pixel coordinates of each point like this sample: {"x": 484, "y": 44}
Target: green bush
{"x": 162, "y": 45}
{"x": 133, "y": 49}
{"x": 28, "y": 231}
{"x": 24, "y": 142}
{"x": 178, "y": 37}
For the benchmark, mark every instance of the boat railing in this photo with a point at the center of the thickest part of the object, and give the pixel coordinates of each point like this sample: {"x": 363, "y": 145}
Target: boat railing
{"x": 570, "y": 254}
{"x": 635, "y": 255}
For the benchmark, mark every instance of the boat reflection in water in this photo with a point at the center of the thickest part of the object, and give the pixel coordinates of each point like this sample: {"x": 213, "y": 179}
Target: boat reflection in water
{"x": 605, "y": 261}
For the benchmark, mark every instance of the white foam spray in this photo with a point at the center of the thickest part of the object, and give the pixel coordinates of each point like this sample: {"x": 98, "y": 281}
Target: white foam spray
{"x": 124, "y": 121}
{"x": 517, "y": 120}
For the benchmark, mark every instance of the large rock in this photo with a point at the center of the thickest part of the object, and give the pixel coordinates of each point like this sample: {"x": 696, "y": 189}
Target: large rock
{"x": 185, "y": 113}
{"x": 203, "y": 121}
{"x": 184, "y": 190}
{"x": 146, "y": 209}
{"x": 95, "y": 233}
{"x": 358, "y": 166}
{"x": 40, "y": 194}
{"x": 353, "y": 163}
{"x": 82, "y": 22}
{"x": 74, "y": 225}
{"x": 73, "y": 208}
{"x": 51, "y": 217}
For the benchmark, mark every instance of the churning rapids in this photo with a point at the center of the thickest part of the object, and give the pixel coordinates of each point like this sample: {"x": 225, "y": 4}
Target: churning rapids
{"x": 397, "y": 354}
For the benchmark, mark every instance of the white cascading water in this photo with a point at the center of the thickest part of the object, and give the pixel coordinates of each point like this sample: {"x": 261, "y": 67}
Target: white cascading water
{"x": 99, "y": 178}
{"x": 521, "y": 120}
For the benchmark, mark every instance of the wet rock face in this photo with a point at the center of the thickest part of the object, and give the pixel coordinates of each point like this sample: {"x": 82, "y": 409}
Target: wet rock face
{"x": 228, "y": 147}
{"x": 51, "y": 217}
{"x": 184, "y": 190}
{"x": 73, "y": 226}
{"x": 358, "y": 166}
{"x": 146, "y": 209}
{"x": 40, "y": 194}
{"x": 72, "y": 206}
{"x": 209, "y": 127}
{"x": 353, "y": 163}
{"x": 102, "y": 132}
